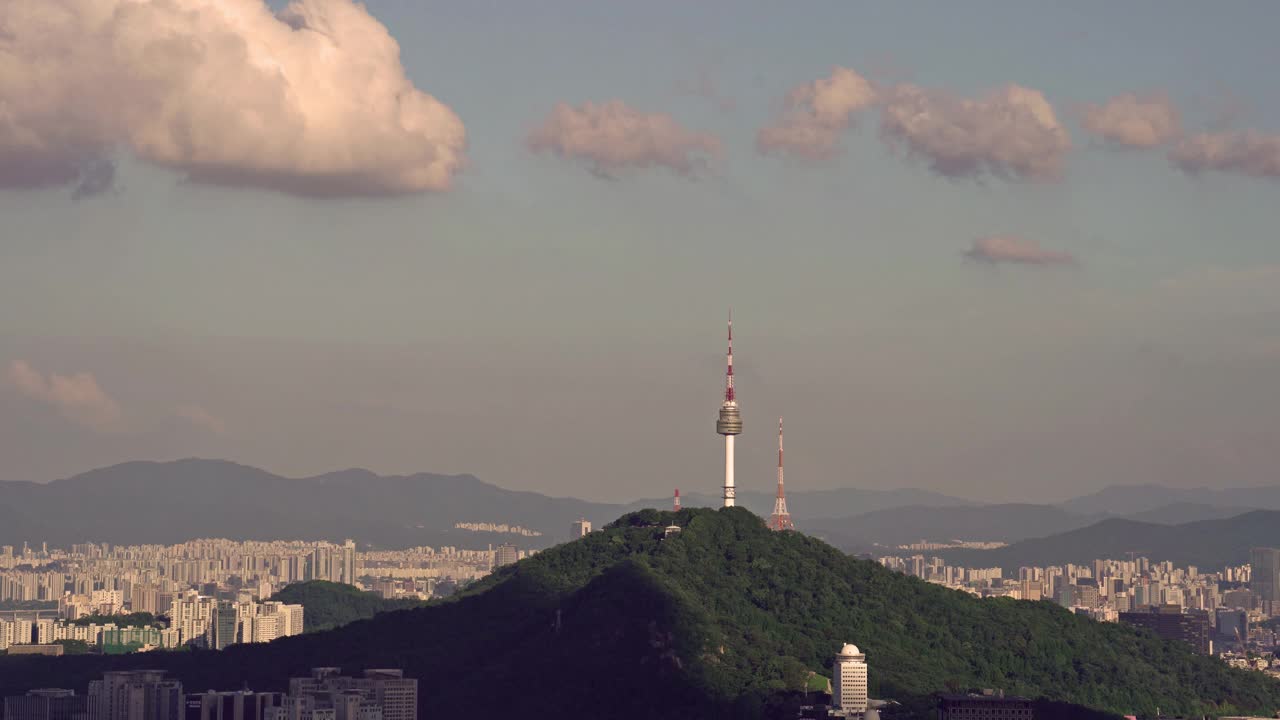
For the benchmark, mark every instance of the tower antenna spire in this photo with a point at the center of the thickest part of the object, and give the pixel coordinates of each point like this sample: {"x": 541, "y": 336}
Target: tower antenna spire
{"x": 729, "y": 423}
{"x": 780, "y": 519}
{"x": 728, "y": 375}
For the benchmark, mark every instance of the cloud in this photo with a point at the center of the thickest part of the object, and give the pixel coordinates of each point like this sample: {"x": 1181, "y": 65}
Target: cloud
{"x": 1133, "y": 121}
{"x": 815, "y": 114}
{"x": 1005, "y": 249}
{"x": 201, "y": 418}
{"x": 1012, "y": 133}
{"x": 312, "y": 100}
{"x": 613, "y": 138}
{"x": 1246, "y": 152}
{"x": 77, "y": 397}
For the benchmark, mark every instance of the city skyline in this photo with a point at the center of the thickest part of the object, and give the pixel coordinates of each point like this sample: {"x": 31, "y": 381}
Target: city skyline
{"x": 933, "y": 295}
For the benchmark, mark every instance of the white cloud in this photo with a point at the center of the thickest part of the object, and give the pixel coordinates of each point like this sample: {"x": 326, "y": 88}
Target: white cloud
{"x": 77, "y": 397}
{"x": 1133, "y": 121}
{"x": 312, "y": 100}
{"x": 1247, "y": 152}
{"x": 816, "y": 114}
{"x": 613, "y": 138}
{"x": 1011, "y": 133}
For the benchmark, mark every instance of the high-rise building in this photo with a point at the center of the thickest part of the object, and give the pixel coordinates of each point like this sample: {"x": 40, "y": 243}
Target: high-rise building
{"x": 349, "y": 562}
{"x": 136, "y": 695}
{"x": 780, "y": 519}
{"x": 580, "y": 528}
{"x": 504, "y": 554}
{"x": 1171, "y": 623}
{"x": 849, "y": 682}
{"x": 1264, "y": 575}
{"x": 729, "y": 424}
{"x": 321, "y": 564}
{"x": 222, "y": 627}
{"x": 1233, "y": 624}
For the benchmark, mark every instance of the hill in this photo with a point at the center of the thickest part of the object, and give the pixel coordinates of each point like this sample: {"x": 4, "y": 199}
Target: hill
{"x": 327, "y": 605}
{"x": 724, "y": 620}
{"x": 1208, "y": 544}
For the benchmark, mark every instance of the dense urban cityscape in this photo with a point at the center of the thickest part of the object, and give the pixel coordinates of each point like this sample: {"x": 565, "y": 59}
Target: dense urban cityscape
{"x": 375, "y": 360}
{"x": 209, "y": 592}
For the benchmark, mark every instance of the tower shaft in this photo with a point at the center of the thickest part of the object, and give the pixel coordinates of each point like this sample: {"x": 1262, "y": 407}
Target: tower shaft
{"x": 729, "y": 424}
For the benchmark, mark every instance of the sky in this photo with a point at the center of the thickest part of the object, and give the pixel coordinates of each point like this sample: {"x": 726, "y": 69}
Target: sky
{"x": 1011, "y": 251}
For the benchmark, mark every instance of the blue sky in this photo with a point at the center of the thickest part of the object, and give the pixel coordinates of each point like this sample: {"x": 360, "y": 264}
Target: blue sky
{"x": 545, "y": 328}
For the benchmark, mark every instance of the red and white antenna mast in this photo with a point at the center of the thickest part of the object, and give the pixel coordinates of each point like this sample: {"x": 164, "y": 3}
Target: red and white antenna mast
{"x": 676, "y": 505}
{"x": 780, "y": 519}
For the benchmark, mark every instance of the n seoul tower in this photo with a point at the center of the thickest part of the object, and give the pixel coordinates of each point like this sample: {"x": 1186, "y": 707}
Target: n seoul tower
{"x": 730, "y": 423}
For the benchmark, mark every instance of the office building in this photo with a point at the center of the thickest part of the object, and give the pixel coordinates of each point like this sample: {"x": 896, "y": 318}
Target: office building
{"x": 236, "y": 705}
{"x": 388, "y": 693}
{"x": 136, "y": 695}
{"x": 47, "y": 704}
{"x": 989, "y": 705}
{"x": 505, "y": 554}
{"x": 1264, "y": 576}
{"x": 1171, "y": 623}
{"x": 1233, "y": 624}
{"x": 849, "y": 682}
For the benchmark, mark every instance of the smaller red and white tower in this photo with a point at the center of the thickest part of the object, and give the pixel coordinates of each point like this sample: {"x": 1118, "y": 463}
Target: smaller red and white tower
{"x": 676, "y": 505}
{"x": 780, "y": 519}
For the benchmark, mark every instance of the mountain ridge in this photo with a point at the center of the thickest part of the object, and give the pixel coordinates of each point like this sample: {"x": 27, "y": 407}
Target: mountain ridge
{"x": 1209, "y": 544}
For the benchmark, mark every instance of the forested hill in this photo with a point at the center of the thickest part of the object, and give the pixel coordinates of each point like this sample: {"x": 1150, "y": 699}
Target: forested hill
{"x": 327, "y": 605}
{"x": 718, "y": 621}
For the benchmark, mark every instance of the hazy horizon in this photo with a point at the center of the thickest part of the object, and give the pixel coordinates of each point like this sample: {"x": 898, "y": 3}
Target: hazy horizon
{"x": 1008, "y": 252}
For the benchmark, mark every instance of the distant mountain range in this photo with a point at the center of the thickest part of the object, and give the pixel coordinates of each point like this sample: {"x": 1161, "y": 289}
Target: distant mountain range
{"x": 1209, "y": 544}
{"x": 165, "y": 502}
{"x": 1133, "y": 499}
{"x": 913, "y": 523}
{"x": 147, "y": 502}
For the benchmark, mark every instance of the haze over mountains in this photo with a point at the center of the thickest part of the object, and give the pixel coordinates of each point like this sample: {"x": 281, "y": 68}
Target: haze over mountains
{"x": 164, "y": 502}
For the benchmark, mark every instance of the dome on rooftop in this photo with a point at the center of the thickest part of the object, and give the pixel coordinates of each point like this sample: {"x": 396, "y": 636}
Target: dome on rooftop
{"x": 850, "y": 649}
